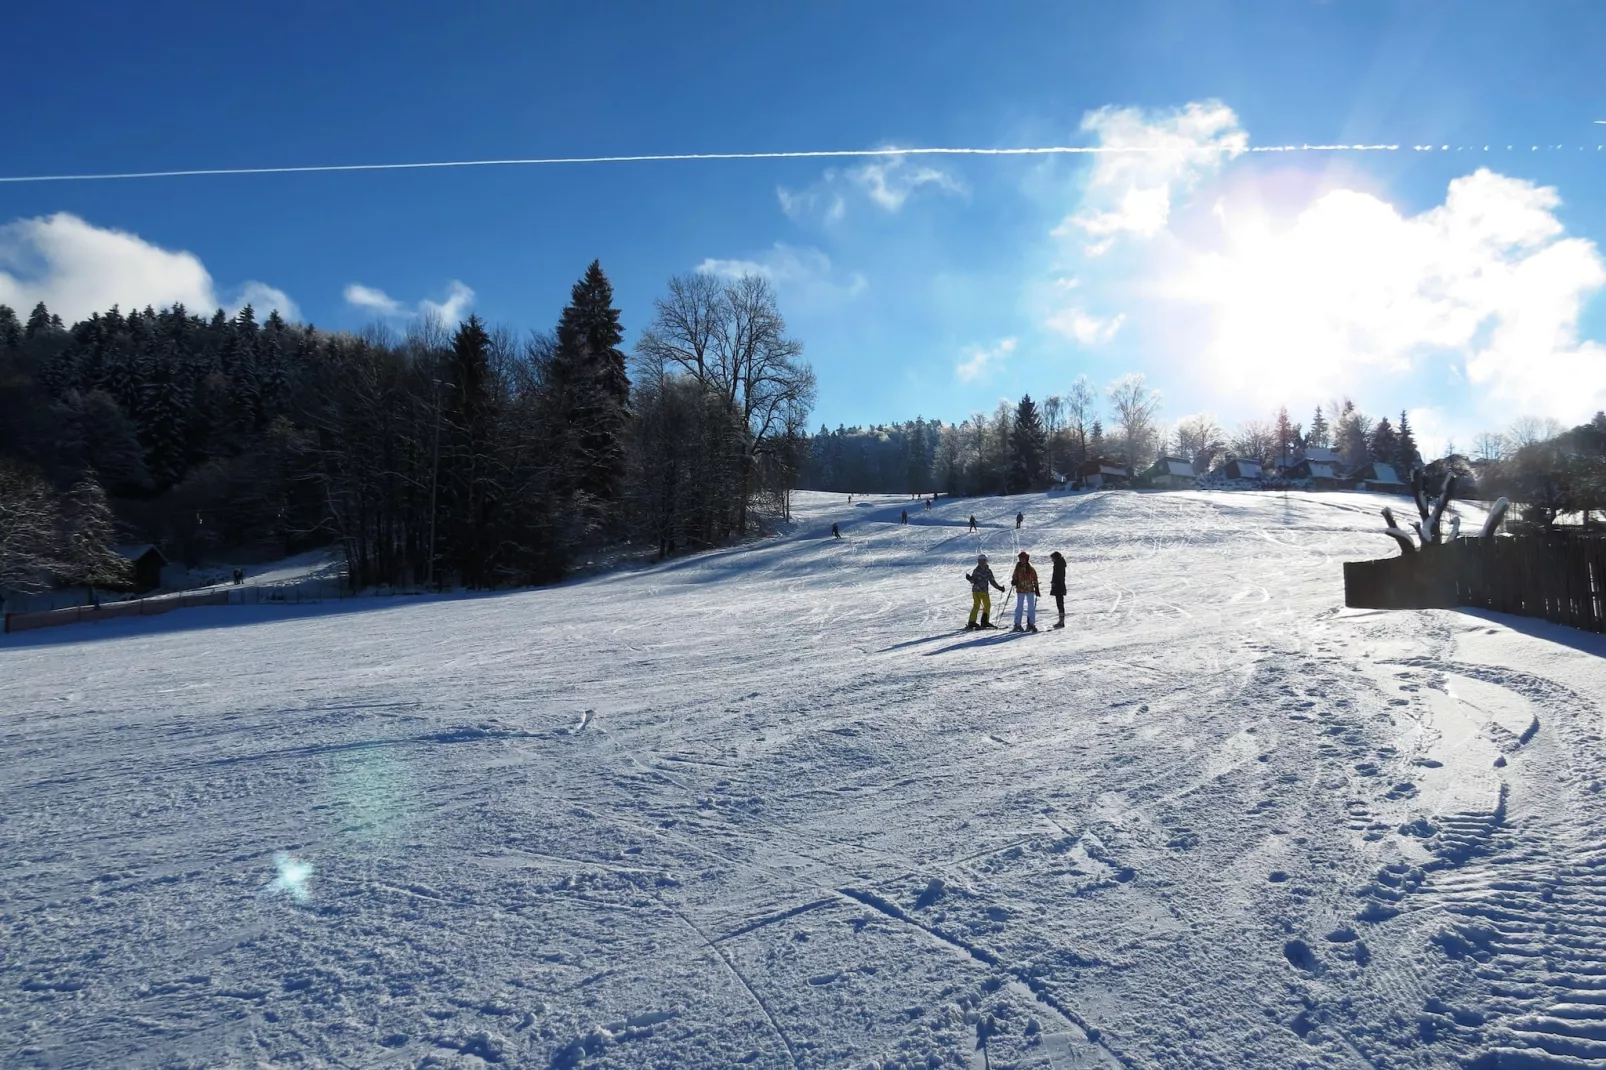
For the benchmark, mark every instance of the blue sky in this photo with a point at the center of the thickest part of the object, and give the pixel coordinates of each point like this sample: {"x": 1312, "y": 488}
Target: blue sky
{"x": 1234, "y": 280}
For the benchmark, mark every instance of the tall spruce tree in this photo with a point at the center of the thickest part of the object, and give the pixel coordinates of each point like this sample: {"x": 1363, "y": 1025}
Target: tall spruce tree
{"x": 1287, "y": 437}
{"x": 1407, "y": 457}
{"x": 590, "y": 367}
{"x": 1385, "y": 444}
{"x": 38, "y": 321}
{"x": 1320, "y": 437}
{"x": 1028, "y": 447}
{"x": 467, "y": 477}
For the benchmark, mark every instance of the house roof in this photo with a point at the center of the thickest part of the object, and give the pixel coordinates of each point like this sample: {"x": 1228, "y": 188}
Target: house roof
{"x": 1172, "y": 466}
{"x": 1245, "y": 465}
{"x": 1320, "y": 470}
{"x": 135, "y": 551}
{"x": 1322, "y": 455}
{"x": 1378, "y": 472}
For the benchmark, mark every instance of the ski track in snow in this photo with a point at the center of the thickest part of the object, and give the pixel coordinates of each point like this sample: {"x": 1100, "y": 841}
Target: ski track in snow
{"x": 769, "y": 806}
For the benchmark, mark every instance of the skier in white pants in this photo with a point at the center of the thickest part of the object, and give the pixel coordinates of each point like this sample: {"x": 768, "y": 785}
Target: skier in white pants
{"x": 1025, "y": 583}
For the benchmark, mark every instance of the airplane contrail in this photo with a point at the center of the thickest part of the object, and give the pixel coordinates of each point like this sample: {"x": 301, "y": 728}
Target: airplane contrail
{"x": 1041, "y": 150}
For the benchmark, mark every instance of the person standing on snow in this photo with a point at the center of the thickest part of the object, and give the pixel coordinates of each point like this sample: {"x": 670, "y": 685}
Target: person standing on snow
{"x": 1025, "y": 583}
{"x": 1019, "y": 518}
{"x": 905, "y": 516}
{"x": 981, "y": 600}
{"x": 835, "y": 534}
{"x": 1056, "y": 585}
{"x": 928, "y": 505}
{"x": 972, "y": 521}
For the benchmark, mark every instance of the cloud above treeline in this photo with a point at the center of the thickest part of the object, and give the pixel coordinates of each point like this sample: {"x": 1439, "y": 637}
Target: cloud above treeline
{"x": 449, "y": 311}
{"x": 77, "y": 269}
{"x": 1340, "y": 291}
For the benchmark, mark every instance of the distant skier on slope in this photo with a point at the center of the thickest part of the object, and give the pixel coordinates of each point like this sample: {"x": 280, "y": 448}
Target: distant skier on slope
{"x": 1019, "y": 519}
{"x": 928, "y": 505}
{"x": 905, "y": 516}
{"x": 1025, "y": 583}
{"x": 981, "y": 600}
{"x": 972, "y": 521}
{"x": 1056, "y": 585}
{"x": 835, "y": 534}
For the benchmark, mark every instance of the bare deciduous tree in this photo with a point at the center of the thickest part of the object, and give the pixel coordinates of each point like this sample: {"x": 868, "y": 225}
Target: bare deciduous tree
{"x": 1201, "y": 440}
{"x": 731, "y": 337}
{"x": 1133, "y": 406}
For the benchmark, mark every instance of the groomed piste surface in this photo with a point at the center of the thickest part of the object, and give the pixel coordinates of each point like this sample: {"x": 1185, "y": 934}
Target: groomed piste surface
{"x": 771, "y": 807}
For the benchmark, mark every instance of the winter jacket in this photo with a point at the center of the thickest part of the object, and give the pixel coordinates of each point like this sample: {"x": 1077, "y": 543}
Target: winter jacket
{"x": 1025, "y": 579}
{"x": 980, "y": 577}
{"x": 1056, "y": 583}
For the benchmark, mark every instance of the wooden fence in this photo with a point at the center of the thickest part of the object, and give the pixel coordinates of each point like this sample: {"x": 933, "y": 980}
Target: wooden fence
{"x": 1559, "y": 578}
{"x": 138, "y": 607}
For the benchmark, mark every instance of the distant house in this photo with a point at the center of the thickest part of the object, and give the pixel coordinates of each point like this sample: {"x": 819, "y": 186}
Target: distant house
{"x": 1321, "y": 473}
{"x": 1241, "y": 468}
{"x": 1375, "y": 475}
{"x": 1098, "y": 473}
{"x": 1170, "y": 472}
{"x": 147, "y": 563}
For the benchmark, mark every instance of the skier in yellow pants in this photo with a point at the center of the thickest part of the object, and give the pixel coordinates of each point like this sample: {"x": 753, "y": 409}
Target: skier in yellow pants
{"x": 981, "y": 600}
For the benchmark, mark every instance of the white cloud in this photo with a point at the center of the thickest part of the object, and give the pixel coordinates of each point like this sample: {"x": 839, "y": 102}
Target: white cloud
{"x": 375, "y": 300}
{"x": 890, "y": 181}
{"x": 264, "y": 299}
{"x": 1130, "y": 193}
{"x": 818, "y": 200}
{"x": 77, "y": 268}
{"x": 980, "y": 362}
{"x": 1487, "y": 280}
{"x": 1077, "y": 325}
{"x": 459, "y": 298}
{"x": 804, "y": 273}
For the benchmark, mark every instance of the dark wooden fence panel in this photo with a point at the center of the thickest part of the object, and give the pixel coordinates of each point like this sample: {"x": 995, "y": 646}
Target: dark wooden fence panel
{"x": 1559, "y": 578}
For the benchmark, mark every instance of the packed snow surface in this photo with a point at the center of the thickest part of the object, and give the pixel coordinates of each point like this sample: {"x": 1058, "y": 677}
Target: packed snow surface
{"x": 771, "y": 807}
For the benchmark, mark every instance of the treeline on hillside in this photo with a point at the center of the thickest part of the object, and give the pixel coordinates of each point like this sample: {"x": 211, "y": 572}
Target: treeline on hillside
{"x": 1030, "y": 445}
{"x": 1551, "y": 472}
{"x": 463, "y": 456}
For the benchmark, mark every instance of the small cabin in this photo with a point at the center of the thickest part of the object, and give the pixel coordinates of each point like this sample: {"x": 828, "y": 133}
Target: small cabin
{"x": 1170, "y": 472}
{"x": 146, "y": 563}
{"x": 1241, "y": 468}
{"x": 1320, "y": 473}
{"x": 1375, "y": 475}
{"x": 1100, "y": 474}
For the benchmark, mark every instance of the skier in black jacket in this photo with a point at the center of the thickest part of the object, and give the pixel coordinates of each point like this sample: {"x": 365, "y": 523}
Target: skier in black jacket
{"x": 1056, "y": 585}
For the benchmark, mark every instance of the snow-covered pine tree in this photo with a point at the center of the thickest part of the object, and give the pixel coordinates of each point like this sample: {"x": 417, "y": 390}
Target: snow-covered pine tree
{"x": 10, "y": 329}
{"x": 29, "y": 530}
{"x": 39, "y": 321}
{"x": 89, "y": 537}
{"x": 1028, "y": 448}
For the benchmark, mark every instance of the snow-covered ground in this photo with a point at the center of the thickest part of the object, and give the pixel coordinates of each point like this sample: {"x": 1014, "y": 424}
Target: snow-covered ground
{"x": 769, "y": 807}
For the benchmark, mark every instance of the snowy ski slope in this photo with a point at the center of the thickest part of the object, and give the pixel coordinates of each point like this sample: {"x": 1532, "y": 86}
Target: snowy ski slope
{"x": 770, "y": 807}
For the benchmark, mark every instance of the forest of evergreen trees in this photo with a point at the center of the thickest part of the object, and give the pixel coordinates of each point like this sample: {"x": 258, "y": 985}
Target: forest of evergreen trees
{"x": 436, "y": 457}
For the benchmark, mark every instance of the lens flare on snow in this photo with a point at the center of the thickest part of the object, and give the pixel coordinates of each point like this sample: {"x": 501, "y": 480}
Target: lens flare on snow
{"x": 292, "y": 878}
